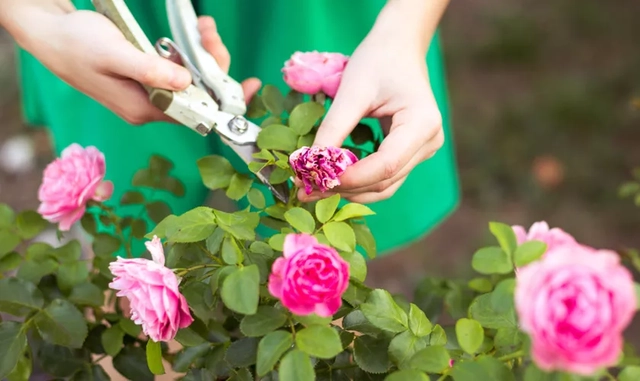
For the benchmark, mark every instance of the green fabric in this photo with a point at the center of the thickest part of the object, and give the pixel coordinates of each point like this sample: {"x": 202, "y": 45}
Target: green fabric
{"x": 260, "y": 36}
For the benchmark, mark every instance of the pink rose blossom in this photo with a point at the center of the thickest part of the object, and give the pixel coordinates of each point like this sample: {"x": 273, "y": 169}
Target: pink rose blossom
{"x": 70, "y": 182}
{"x": 540, "y": 231}
{"x": 152, "y": 290}
{"x": 312, "y": 72}
{"x": 310, "y": 278}
{"x": 575, "y": 304}
{"x": 320, "y": 167}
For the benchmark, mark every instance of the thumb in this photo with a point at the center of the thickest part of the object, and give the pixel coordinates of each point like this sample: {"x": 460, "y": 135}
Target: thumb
{"x": 149, "y": 69}
{"x": 344, "y": 114}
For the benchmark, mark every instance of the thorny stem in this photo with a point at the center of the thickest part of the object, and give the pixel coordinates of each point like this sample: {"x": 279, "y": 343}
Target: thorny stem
{"x": 210, "y": 254}
{"x": 193, "y": 268}
{"x": 97, "y": 360}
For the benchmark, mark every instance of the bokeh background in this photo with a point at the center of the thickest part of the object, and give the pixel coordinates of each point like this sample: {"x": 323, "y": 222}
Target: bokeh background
{"x": 545, "y": 128}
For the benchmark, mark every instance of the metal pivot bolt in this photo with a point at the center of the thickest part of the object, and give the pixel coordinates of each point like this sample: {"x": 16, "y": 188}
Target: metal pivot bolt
{"x": 238, "y": 125}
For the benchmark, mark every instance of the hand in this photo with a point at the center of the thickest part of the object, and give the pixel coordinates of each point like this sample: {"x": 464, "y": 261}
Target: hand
{"x": 386, "y": 78}
{"x": 86, "y": 50}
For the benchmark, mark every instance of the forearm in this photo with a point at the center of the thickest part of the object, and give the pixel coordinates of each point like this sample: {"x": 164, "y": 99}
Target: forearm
{"x": 414, "y": 20}
{"x": 24, "y": 18}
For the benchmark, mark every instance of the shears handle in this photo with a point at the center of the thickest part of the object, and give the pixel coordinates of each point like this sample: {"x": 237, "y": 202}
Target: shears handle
{"x": 177, "y": 105}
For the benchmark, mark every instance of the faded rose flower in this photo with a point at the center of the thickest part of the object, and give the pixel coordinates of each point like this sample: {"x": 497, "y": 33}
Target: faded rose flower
{"x": 152, "y": 290}
{"x": 320, "y": 167}
{"x": 70, "y": 182}
{"x": 312, "y": 72}
{"x": 575, "y": 304}
{"x": 540, "y": 231}
{"x": 310, "y": 278}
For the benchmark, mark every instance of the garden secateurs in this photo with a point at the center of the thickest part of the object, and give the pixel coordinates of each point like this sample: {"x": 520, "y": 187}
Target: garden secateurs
{"x": 214, "y": 101}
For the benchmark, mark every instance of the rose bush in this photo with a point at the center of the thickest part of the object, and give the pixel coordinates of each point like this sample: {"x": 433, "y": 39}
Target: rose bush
{"x": 291, "y": 305}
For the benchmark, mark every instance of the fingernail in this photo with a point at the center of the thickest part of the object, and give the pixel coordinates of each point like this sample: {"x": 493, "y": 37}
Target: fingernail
{"x": 181, "y": 78}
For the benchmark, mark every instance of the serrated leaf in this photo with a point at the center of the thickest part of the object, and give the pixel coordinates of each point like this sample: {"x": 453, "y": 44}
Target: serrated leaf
{"x": 383, "y": 312}
{"x": 216, "y": 171}
{"x": 326, "y": 207}
{"x": 30, "y": 224}
{"x": 419, "y": 324}
{"x": 404, "y": 346}
{"x": 432, "y": 359}
{"x": 256, "y": 198}
{"x": 301, "y": 220}
{"x": 341, "y": 235}
{"x": 87, "y": 294}
{"x": 319, "y": 341}
{"x": 277, "y": 137}
{"x": 528, "y": 252}
{"x": 61, "y": 323}
{"x": 266, "y": 319}
{"x": 273, "y": 99}
{"x": 352, "y": 210}
{"x": 371, "y": 354}
{"x": 304, "y": 116}
{"x": 242, "y": 352}
{"x": 270, "y": 349}
{"x": 469, "y": 334}
{"x": 505, "y": 236}
{"x": 492, "y": 260}
{"x": 296, "y": 366}
{"x": 13, "y": 343}
{"x": 357, "y": 265}
{"x": 111, "y": 340}
{"x": 482, "y": 311}
{"x": 18, "y": 297}
{"x": 241, "y": 289}
{"x": 193, "y": 226}
{"x": 239, "y": 186}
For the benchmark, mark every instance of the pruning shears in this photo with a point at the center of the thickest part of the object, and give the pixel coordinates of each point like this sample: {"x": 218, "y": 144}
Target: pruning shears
{"x": 214, "y": 101}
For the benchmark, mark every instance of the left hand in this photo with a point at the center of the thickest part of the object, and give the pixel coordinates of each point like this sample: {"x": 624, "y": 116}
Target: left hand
{"x": 386, "y": 78}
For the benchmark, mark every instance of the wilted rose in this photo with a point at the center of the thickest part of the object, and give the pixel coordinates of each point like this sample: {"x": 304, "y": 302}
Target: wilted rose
{"x": 320, "y": 168}
{"x": 312, "y": 72}
{"x": 70, "y": 182}
{"x": 152, "y": 290}
{"x": 310, "y": 278}
{"x": 575, "y": 304}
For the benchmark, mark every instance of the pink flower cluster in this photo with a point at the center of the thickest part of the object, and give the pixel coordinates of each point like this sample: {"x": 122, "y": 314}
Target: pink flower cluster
{"x": 320, "y": 168}
{"x": 152, "y": 290}
{"x": 313, "y": 72}
{"x": 310, "y": 277}
{"x": 70, "y": 182}
{"x": 574, "y": 303}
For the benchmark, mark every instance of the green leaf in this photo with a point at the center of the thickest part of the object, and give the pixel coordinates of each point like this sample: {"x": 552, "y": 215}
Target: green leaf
{"x": 194, "y": 226}
{"x": 60, "y": 361}
{"x": 270, "y": 349}
{"x": 304, "y": 116}
{"x": 502, "y": 298}
{"x": 261, "y": 248}
{"x": 296, "y": 366}
{"x": 130, "y": 327}
{"x": 105, "y": 244}
{"x": 419, "y": 324}
{"x": 507, "y": 341}
{"x": 61, "y": 323}
{"x": 313, "y": 319}
{"x": 187, "y": 356}
{"x": 432, "y": 359}
{"x": 18, "y": 297}
{"x": 484, "y": 368}
{"x": 10, "y": 262}
{"x": 132, "y": 198}
{"x": 239, "y": 186}
{"x": 256, "y": 108}
{"x": 630, "y": 373}
{"x": 277, "y": 137}
{"x": 13, "y": 343}
{"x": 241, "y": 224}
{"x": 256, "y": 198}
{"x": 231, "y": 253}
{"x": 483, "y": 285}
{"x": 92, "y": 373}
{"x": 216, "y": 171}
{"x": 276, "y": 242}
{"x": 528, "y": 252}
{"x": 636, "y": 287}
{"x": 404, "y": 346}
{"x": 279, "y": 175}
{"x": 532, "y": 373}
{"x": 357, "y": 265}
{"x": 383, "y": 312}
{"x": 71, "y": 274}
{"x": 265, "y": 320}
{"x": 505, "y": 236}
{"x": 8, "y": 241}
{"x": 482, "y": 311}
{"x": 273, "y": 99}
{"x": 319, "y": 341}
{"x": 7, "y": 215}
{"x": 326, "y": 207}
{"x": 372, "y": 354}
{"x": 31, "y": 271}
{"x": 364, "y": 238}
{"x": 241, "y": 375}
{"x": 111, "y": 340}
{"x": 352, "y": 210}
{"x": 438, "y": 336}
{"x": 341, "y": 235}
{"x": 154, "y": 357}
{"x": 242, "y": 352}
{"x": 131, "y": 362}
{"x": 22, "y": 371}
{"x": 407, "y": 374}
{"x": 469, "y": 334}
{"x": 306, "y": 140}
{"x": 492, "y": 260}
{"x": 30, "y": 224}
{"x": 87, "y": 294}
{"x": 293, "y": 99}
{"x": 241, "y": 289}
{"x": 301, "y": 220}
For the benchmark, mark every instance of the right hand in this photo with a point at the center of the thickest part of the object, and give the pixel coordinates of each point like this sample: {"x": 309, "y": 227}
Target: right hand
{"x": 86, "y": 50}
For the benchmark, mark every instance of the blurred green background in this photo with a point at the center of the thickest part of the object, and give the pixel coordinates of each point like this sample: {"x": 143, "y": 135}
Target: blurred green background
{"x": 541, "y": 96}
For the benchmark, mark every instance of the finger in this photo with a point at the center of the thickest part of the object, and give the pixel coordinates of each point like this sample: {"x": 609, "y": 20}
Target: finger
{"x": 212, "y": 42}
{"x": 408, "y": 135}
{"x": 346, "y": 111}
{"x": 126, "y": 61}
{"x": 426, "y": 152}
{"x": 250, "y": 87}
{"x": 370, "y": 197}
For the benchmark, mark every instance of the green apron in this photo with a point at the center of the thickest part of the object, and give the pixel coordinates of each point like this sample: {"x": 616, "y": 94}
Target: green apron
{"x": 261, "y": 36}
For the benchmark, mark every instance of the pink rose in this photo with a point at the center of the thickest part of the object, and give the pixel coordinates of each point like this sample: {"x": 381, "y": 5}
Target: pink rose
{"x": 312, "y": 72}
{"x": 320, "y": 167}
{"x": 152, "y": 290}
{"x": 540, "y": 231}
{"x": 574, "y": 304}
{"x": 70, "y": 182}
{"x": 310, "y": 278}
